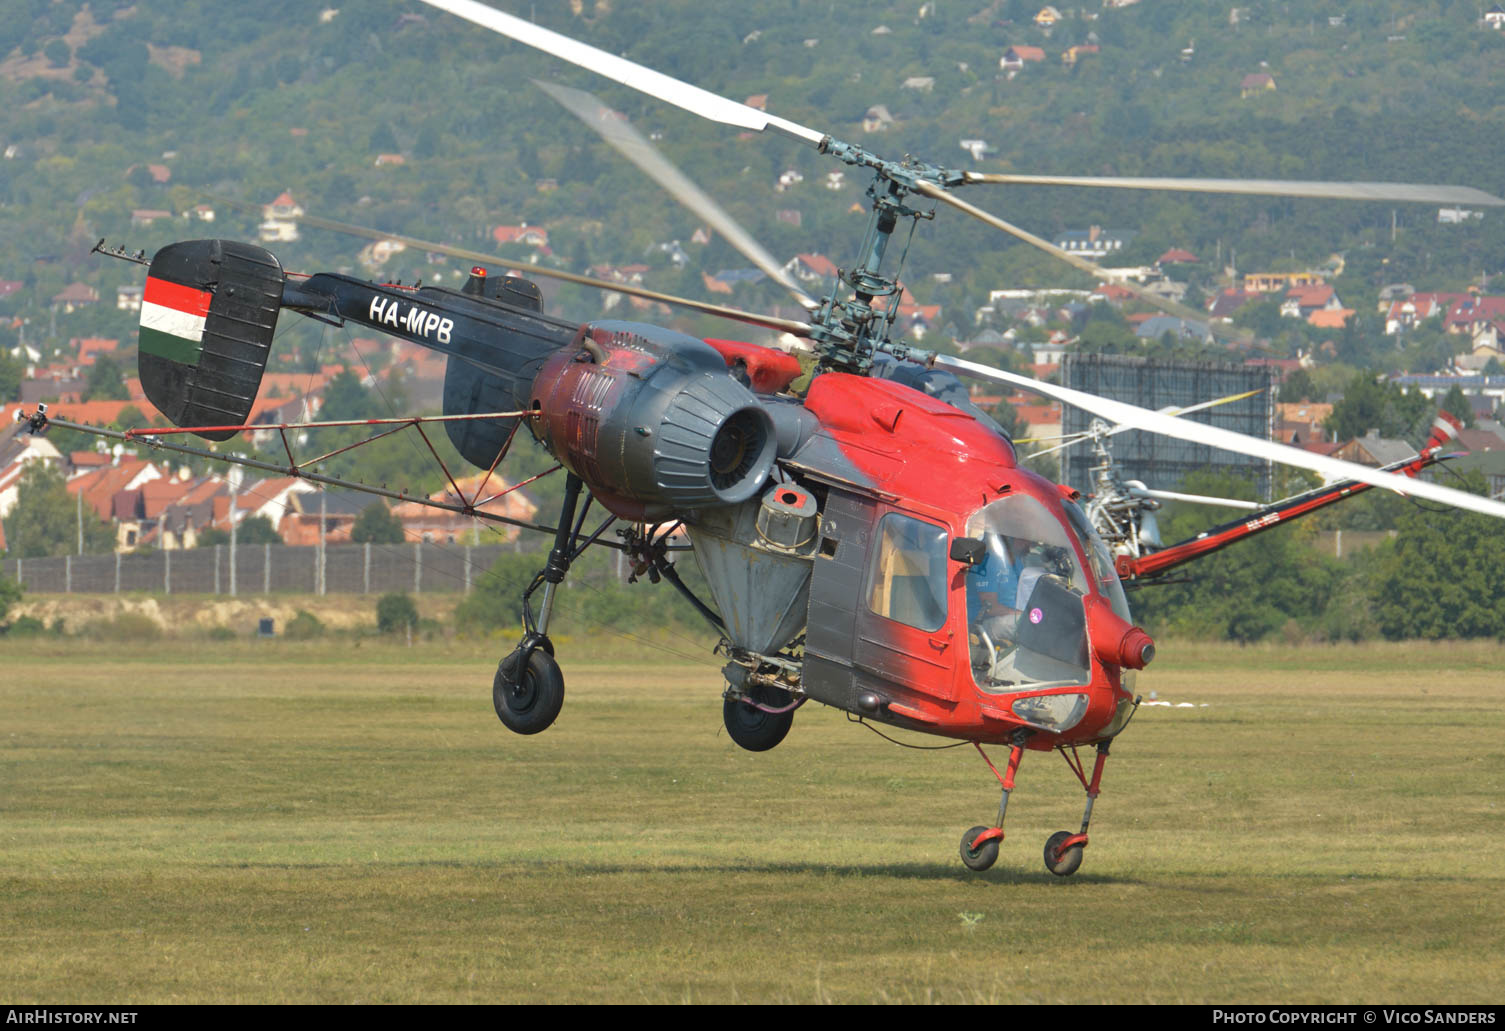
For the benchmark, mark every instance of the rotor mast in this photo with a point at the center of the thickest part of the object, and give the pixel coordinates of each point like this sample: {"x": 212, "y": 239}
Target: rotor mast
{"x": 849, "y": 332}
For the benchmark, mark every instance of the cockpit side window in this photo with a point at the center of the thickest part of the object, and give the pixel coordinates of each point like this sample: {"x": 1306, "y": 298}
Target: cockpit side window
{"x": 907, "y": 580}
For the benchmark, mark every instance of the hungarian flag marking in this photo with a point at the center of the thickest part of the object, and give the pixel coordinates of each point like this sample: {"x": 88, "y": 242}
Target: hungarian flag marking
{"x": 172, "y": 320}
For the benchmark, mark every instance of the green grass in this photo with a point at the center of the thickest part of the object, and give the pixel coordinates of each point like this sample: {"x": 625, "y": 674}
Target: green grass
{"x": 320, "y": 822}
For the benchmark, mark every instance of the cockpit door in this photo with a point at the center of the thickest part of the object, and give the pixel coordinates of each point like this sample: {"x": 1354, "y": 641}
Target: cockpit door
{"x": 879, "y": 606}
{"x": 835, "y": 584}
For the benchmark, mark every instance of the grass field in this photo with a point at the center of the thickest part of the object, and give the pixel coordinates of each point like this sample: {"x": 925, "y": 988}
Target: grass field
{"x": 327, "y": 822}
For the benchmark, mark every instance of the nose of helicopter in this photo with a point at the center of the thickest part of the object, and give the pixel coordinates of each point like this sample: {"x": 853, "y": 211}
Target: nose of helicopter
{"x": 1116, "y": 641}
{"x": 1136, "y": 649}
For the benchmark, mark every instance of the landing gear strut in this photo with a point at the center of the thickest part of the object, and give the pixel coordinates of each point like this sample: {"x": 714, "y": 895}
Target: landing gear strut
{"x": 528, "y": 690}
{"x": 979, "y": 849}
{"x": 1063, "y": 849}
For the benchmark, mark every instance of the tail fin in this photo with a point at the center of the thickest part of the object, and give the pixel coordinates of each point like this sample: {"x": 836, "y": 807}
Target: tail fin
{"x": 1444, "y": 430}
{"x": 468, "y": 389}
{"x": 207, "y": 319}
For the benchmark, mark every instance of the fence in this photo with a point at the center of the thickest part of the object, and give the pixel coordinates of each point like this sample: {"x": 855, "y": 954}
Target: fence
{"x": 263, "y": 569}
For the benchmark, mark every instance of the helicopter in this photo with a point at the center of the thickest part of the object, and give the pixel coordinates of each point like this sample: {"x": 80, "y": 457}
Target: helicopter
{"x": 1123, "y": 511}
{"x": 868, "y": 536}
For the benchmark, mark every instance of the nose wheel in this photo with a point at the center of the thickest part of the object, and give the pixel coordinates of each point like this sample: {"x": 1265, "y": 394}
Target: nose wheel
{"x": 980, "y": 847}
{"x": 1063, "y": 852}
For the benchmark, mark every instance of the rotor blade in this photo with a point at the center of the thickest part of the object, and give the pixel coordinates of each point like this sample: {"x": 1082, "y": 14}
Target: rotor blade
{"x": 1173, "y": 410}
{"x": 1076, "y": 261}
{"x": 1078, "y": 438}
{"x": 1424, "y": 193}
{"x": 1213, "y": 436}
{"x": 630, "y": 143}
{"x": 790, "y": 326}
{"x": 645, "y": 80}
{"x": 1196, "y": 499}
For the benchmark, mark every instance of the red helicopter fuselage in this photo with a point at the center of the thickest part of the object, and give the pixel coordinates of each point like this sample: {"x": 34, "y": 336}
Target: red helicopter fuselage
{"x": 927, "y": 461}
{"x": 903, "y": 626}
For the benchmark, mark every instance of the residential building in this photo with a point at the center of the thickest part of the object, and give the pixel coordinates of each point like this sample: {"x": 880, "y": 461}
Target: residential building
{"x": 1280, "y": 282}
{"x": 1016, "y": 57}
{"x": 1093, "y": 242}
{"x": 280, "y": 220}
{"x": 1255, "y": 84}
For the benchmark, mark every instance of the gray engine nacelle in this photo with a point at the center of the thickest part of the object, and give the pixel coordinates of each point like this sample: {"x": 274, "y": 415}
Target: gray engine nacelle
{"x": 652, "y": 421}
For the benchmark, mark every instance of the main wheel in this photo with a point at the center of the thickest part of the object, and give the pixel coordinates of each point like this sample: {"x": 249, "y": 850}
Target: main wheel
{"x": 530, "y": 703}
{"x": 1059, "y": 862}
{"x": 981, "y": 857}
{"x": 751, "y": 727}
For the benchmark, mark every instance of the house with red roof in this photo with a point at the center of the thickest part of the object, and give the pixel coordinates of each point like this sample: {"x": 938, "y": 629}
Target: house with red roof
{"x": 280, "y": 219}
{"x": 1409, "y": 312}
{"x": 1330, "y": 318}
{"x": 422, "y": 523}
{"x": 19, "y": 449}
{"x": 1015, "y": 57}
{"x": 88, "y": 348}
{"x": 1256, "y": 83}
{"x": 1301, "y": 301}
{"x": 178, "y": 522}
{"x": 75, "y": 296}
{"x": 100, "y": 487}
{"x": 811, "y": 268}
{"x": 1301, "y": 423}
{"x": 1229, "y": 300}
{"x": 270, "y": 498}
{"x": 1177, "y": 256}
{"x": 1038, "y": 421}
{"x": 536, "y": 237}
{"x": 1472, "y": 314}
{"x": 917, "y": 319}
{"x": 1112, "y": 293}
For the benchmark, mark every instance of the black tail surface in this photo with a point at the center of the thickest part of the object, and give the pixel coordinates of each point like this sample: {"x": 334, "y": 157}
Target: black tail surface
{"x": 207, "y": 318}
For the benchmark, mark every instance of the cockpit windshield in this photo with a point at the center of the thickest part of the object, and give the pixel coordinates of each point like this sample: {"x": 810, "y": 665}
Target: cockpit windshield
{"x": 1100, "y": 558}
{"x": 1025, "y": 618}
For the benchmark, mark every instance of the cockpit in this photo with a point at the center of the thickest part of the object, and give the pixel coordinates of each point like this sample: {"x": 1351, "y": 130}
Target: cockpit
{"x": 1026, "y": 622}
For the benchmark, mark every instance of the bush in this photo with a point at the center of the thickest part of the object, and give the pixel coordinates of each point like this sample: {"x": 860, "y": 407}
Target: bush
{"x": 26, "y": 626}
{"x": 128, "y": 626}
{"x": 396, "y": 613}
{"x": 305, "y": 626}
{"x": 221, "y": 633}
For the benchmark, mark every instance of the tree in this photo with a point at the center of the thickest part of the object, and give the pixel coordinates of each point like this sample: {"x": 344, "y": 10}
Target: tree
{"x": 12, "y": 372}
{"x": 1458, "y": 405}
{"x": 377, "y": 525}
{"x": 46, "y": 520}
{"x": 1246, "y": 592}
{"x": 1444, "y": 575}
{"x": 10, "y": 593}
{"x": 106, "y": 382}
{"x": 1371, "y": 405}
{"x": 255, "y": 530}
{"x": 395, "y": 613}
{"x": 1298, "y": 386}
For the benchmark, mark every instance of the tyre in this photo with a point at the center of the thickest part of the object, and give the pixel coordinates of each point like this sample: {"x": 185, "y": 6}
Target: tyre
{"x": 982, "y": 857}
{"x": 754, "y": 729}
{"x": 1059, "y": 862}
{"x": 530, "y": 703}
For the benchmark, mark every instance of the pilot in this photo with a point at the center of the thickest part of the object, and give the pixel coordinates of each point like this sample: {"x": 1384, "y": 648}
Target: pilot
{"x": 994, "y": 589}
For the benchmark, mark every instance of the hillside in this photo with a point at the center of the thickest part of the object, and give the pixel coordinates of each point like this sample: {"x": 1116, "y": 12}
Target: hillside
{"x": 394, "y": 115}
